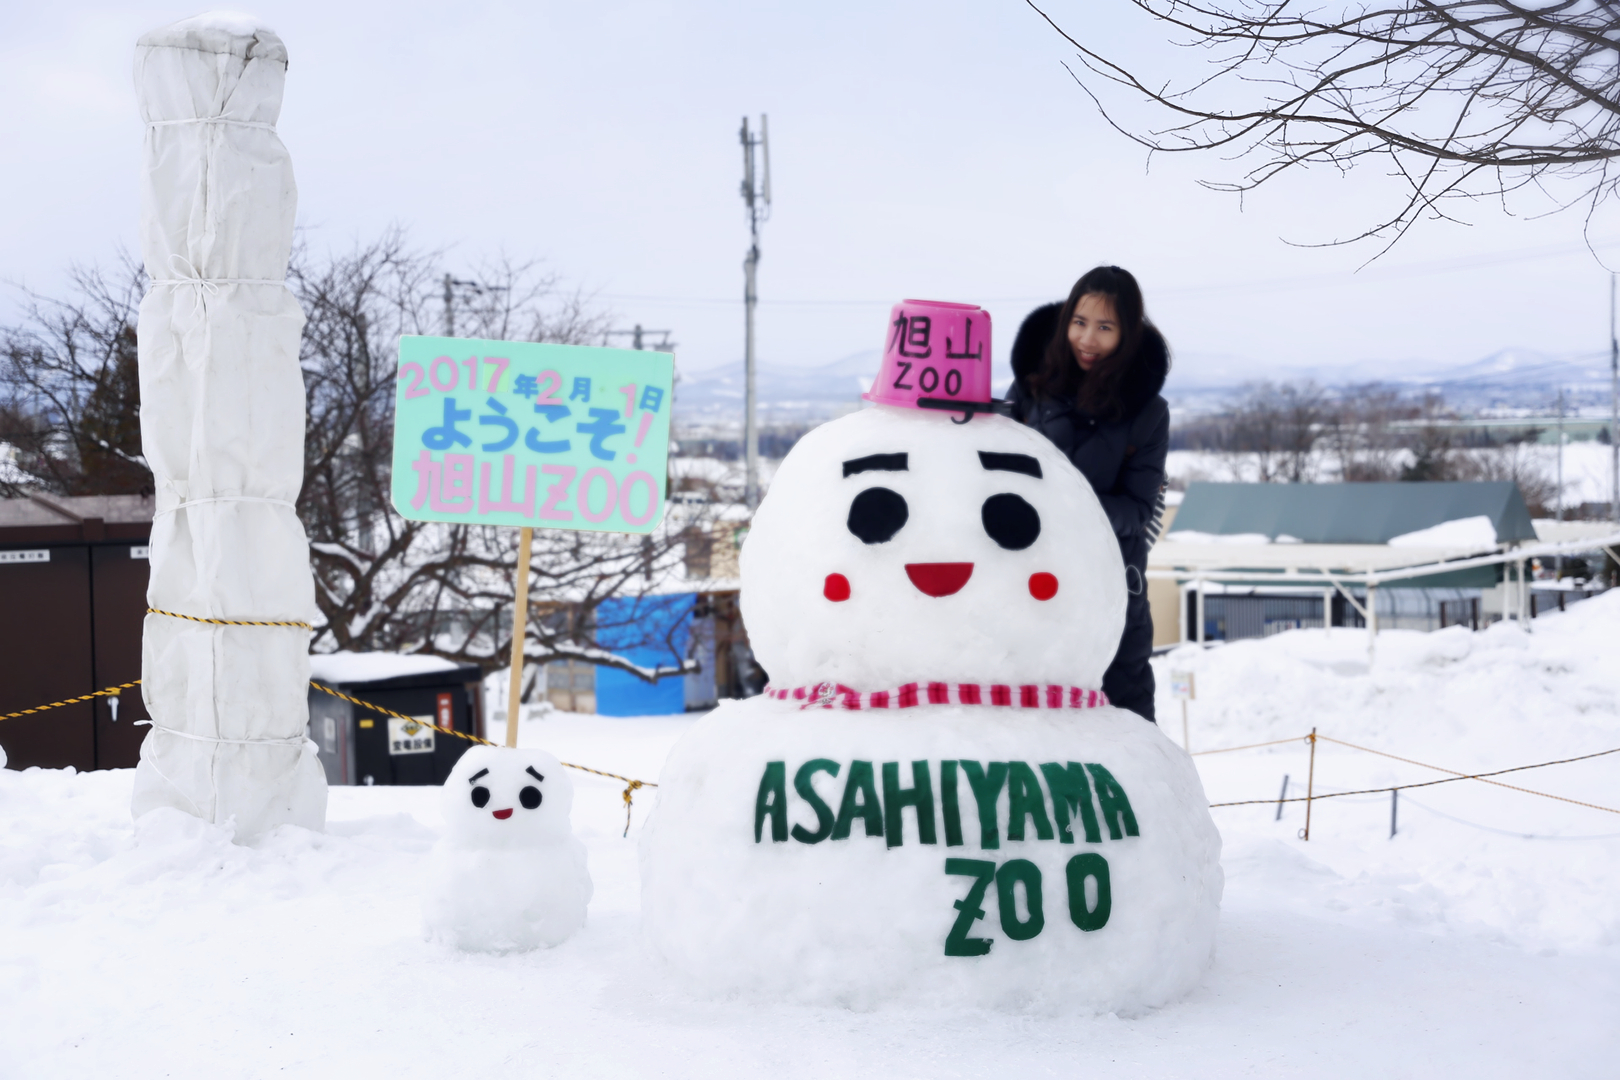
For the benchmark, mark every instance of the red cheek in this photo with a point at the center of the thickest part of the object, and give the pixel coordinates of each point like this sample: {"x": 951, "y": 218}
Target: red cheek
{"x": 836, "y": 588}
{"x": 1043, "y": 586}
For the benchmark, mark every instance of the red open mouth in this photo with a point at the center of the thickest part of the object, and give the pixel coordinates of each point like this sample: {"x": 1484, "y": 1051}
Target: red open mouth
{"x": 939, "y": 578}
{"x": 502, "y": 815}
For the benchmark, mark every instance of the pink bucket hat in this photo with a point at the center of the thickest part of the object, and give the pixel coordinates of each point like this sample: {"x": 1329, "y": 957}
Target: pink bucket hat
{"x": 937, "y": 357}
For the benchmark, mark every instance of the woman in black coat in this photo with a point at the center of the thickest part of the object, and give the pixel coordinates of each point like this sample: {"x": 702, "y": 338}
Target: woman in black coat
{"x": 1087, "y": 375}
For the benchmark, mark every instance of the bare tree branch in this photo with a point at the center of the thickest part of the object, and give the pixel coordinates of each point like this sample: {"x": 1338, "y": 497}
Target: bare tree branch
{"x": 1458, "y": 98}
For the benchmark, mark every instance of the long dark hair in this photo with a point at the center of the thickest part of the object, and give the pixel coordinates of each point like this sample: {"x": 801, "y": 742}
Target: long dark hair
{"x": 1096, "y": 391}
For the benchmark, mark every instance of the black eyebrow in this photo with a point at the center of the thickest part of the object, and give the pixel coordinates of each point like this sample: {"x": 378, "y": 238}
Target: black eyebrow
{"x": 1011, "y": 463}
{"x": 531, "y": 772}
{"x": 473, "y": 779}
{"x": 885, "y": 462}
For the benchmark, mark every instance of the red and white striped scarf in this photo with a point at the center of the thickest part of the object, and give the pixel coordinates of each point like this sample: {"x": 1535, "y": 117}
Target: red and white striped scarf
{"x": 1026, "y": 696}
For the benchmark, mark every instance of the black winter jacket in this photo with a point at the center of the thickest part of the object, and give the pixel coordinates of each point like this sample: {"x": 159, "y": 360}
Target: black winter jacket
{"x": 1124, "y": 461}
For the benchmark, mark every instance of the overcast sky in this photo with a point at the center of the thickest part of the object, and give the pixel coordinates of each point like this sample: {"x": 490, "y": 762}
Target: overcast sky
{"x": 932, "y": 149}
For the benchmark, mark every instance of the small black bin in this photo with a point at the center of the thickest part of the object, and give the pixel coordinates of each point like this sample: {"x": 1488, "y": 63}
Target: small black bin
{"x": 361, "y": 746}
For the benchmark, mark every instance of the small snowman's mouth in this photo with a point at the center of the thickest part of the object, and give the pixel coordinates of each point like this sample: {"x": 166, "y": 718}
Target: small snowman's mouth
{"x": 502, "y": 815}
{"x": 939, "y": 578}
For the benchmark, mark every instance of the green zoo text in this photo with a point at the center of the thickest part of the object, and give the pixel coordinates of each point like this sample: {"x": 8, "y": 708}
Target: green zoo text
{"x": 1074, "y": 795}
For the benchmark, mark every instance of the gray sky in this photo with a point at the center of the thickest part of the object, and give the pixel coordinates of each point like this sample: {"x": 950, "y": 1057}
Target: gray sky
{"x": 932, "y": 149}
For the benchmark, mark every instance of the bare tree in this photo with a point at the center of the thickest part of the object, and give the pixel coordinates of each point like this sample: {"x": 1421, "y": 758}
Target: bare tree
{"x": 1457, "y": 98}
{"x": 69, "y": 406}
{"x": 1375, "y": 432}
{"x": 69, "y": 392}
{"x": 1278, "y": 425}
{"x": 1515, "y": 461}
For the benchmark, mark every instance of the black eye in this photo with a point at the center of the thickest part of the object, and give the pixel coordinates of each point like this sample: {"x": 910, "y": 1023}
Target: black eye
{"x": 1010, "y": 521}
{"x": 877, "y": 514}
{"x": 529, "y": 797}
{"x": 480, "y": 797}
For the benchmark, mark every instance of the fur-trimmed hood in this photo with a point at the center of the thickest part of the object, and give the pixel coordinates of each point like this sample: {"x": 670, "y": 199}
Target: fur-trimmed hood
{"x": 1142, "y": 382}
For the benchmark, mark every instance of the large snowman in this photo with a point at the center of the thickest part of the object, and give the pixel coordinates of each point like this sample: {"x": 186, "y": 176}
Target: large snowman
{"x": 932, "y": 802}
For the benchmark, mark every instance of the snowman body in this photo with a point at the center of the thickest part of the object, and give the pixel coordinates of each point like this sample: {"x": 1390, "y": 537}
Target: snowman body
{"x": 932, "y": 803}
{"x": 508, "y": 874}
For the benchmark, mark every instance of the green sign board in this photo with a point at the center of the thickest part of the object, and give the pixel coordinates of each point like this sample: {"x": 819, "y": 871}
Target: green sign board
{"x": 516, "y": 433}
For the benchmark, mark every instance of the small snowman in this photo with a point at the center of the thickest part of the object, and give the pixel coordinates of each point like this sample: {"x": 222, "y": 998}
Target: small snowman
{"x": 932, "y": 802}
{"x": 508, "y": 874}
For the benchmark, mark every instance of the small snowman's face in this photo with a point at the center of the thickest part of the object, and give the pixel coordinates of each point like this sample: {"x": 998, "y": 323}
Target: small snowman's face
{"x": 896, "y": 546}
{"x": 498, "y": 797}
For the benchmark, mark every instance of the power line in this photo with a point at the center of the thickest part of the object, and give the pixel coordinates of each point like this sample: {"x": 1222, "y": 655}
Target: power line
{"x": 1423, "y": 269}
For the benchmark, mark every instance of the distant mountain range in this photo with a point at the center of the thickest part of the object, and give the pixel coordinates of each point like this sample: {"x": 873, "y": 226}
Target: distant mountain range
{"x": 1507, "y": 379}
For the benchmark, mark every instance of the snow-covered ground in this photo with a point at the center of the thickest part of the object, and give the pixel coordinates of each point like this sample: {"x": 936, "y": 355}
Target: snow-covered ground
{"x": 1482, "y": 941}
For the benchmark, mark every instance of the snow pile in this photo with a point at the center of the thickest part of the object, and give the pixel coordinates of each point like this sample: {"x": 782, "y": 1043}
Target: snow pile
{"x": 1467, "y": 856}
{"x": 163, "y": 949}
{"x": 1472, "y": 533}
{"x": 1043, "y": 858}
{"x": 509, "y": 873}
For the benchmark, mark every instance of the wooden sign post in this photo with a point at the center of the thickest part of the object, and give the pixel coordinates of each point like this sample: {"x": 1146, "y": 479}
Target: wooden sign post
{"x": 528, "y": 435}
{"x": 520, "y": 631}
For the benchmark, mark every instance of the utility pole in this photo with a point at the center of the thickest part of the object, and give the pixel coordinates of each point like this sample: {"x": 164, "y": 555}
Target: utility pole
{"x": 1558, "y": 562}
{"x": 637, "y": 335}
{"x": 756, "y": 192}
{"x": 451, "y": 284}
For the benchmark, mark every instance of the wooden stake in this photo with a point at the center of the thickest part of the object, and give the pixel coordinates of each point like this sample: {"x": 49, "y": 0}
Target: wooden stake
{"x": 520, "y": 629}
{"x": 1310, "y": 788}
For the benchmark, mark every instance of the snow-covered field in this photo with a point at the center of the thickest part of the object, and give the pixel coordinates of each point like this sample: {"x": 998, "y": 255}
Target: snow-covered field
{"x": 1482, "y": 941}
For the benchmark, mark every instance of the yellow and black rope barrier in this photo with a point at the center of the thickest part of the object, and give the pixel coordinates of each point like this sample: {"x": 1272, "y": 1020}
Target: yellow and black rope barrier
{"x": 111, "y": 691}
{"x": 631, "y": 786}
{"x": 226, "y": 622}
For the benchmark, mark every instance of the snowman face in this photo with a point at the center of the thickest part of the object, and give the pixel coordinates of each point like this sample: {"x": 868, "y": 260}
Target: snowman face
{"x": 896, "y": 546}
{"x": 497, "y": 797}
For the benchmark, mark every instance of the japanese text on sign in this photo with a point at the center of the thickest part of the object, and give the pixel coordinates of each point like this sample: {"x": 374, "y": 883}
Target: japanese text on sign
{"x": 518, "y": 433}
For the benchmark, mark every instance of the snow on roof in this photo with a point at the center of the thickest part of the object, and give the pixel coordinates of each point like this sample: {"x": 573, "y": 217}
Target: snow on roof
{"x": 1554, "y": 531}
{"x": 1172, "y": 553}
{"x": 1477, "y": 533}
{"x": 69, "y": 509}
{"x": 356, "y": 667}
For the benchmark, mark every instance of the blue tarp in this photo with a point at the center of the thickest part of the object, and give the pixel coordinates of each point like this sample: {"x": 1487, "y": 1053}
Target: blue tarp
{"x": 650, "y": 631}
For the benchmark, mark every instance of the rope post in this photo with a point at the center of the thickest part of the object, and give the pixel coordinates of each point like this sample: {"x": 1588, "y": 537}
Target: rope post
{"x": 1394, "y": 804}
{"x": 1198, "y": 609}
{"x": 1282, "y": 798}
{"x": 520, "y": 629}
{"x": 1372, "y": 624}
{"x": 1310, "y": 787}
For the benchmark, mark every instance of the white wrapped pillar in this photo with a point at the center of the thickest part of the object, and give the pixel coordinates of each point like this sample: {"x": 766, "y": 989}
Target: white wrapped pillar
{"x": 222, "y": 425}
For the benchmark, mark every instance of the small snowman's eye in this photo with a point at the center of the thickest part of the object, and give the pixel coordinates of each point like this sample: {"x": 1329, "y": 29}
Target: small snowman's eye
{"x": 480, "y": 797}
{"x": 1010, "y": 521}
{"x": 529, "y": 797}
{"x": 877, "y": 514}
